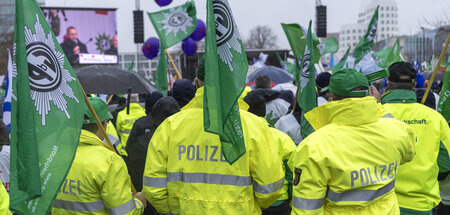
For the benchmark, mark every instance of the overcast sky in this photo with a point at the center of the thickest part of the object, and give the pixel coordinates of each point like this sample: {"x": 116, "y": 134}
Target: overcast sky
{"x": 249, "y": 13}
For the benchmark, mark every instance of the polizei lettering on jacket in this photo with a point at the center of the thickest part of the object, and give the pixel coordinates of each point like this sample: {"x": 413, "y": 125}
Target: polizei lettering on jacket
{"x": 373, "y": 175}
{"x": 71, "y": 187}
{"x": 200, "y": 153}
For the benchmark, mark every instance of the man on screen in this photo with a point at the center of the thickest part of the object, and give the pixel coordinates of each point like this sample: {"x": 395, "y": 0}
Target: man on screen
{"x": 72, "y": 46}
{"x": 113, "y": 49}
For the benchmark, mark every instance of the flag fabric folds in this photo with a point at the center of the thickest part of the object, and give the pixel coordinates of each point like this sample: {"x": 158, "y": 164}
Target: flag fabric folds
{"x": 366, "y": 43}
{"x": 46, "y": 113}
{"x": 307, "y": 98}
{"x": 174, "y": 24}
{"x": 444, "y": 99}
{"x": 226, "y": 69}
{"x": 330, "y": 45}
{"x": 389, "y": 56}
{"x": 341, "y": 63}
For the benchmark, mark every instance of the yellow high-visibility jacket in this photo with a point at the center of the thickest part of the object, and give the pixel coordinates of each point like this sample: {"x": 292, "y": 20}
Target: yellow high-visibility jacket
{"x": 286, "y": 148}
{"x": 125, "y": 123}
{"x": 4, "y": 200}
{"x": 97, "y": 183}
{"x": 349, "y": 164}
{"x": 186, "y": 173}
{"x": 417, "y": 186}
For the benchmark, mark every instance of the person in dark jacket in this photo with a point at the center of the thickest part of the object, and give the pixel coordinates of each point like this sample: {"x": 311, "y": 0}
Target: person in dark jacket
{"x": 72, "y": 47}
{"x": 140, "y": 136}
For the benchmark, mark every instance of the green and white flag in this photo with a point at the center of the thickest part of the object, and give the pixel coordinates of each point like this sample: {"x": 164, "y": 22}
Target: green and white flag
{"x": 226, "y": 70}
{"x": 46, "y": 116}
{"x": 296, "y": 36}
{"x": 307, "y": 98}
{"x": 290, "y": 67}
{"x": 174, "y": 24}
{"x": 366, "y": 43}
{"x": 391, "y": 57}
{"x": 330, "y": 45}
{"x": 444, "y": 99}
{"x": 341, "y": 64}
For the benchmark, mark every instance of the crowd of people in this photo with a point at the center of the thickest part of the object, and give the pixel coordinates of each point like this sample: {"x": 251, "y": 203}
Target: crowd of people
{"x": 373, "y": 151}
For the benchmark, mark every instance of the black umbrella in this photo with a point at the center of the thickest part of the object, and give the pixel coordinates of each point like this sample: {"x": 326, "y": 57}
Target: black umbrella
{"x": 99, "y": 79}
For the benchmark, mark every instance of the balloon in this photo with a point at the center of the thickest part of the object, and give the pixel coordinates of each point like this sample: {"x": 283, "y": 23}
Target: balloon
{"x": 200, "y": 31}
{"x": 189, "y": 46}
{"x": 163, "y": 2}
{"x": 151, "y": 47}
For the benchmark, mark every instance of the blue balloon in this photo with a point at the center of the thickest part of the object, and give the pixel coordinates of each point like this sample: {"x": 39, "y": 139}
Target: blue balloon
{"x": 151, "y": 47}
{"x": 200, "y": 31}
{"x": 163, "y": 2}
{"x": 189, "y": 46}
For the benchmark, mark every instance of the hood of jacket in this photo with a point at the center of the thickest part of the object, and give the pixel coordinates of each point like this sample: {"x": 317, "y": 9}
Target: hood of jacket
{"x": 351, "y": 111}
{"x": 164, "y": 107}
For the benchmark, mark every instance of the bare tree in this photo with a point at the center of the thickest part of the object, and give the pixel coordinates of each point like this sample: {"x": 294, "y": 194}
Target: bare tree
{"x": 441, "y": 20}
{"x": 261, "y": 37}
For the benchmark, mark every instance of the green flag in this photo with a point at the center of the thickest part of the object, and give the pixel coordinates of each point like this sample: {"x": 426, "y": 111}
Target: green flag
{"x": 444, "y": 99}
{"x": 162, "y": 84}
{"x": 389, "y": 56}
{"x": 46, "y": 116}
{"x": 174, "y": 24}
{"x": 290, "y": 67}
{"x": 296, "y": 38}
{"x": 330, "y": 45}
{"x": 341, "y": 64}
{"x": 307, "y": 98}
{"x": 226, "y": 70}
{"x": 366, "y": 43}
{"x": 131, "y": 66}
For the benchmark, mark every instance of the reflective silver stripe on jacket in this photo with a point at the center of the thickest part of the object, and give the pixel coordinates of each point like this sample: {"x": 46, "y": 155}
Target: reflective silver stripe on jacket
{"x": 123, "y": 209}
{"x": 307, "y": 204}
{"x": 79, "y": 206}
{"x": 360, "y": 195}
{"x": 124, "y": 131}
{"x": 270, "y": 188}
{"x": 155, "y": 182}
{"x": 206, "y": 178}
{"x": 388, "y": 115}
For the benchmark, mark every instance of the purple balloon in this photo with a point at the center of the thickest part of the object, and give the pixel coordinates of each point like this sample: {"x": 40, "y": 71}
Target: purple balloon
{"x": 163, "y": 2}
{"x": 200, "y": 31}
{"x": 151, "y": 47}
{"x": 189, "y": 47}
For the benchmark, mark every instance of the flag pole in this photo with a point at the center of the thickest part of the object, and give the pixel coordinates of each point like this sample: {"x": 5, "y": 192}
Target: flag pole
{"x": 168, "y": 73}
{"x": 430, "y": 82}
{"x": 100, "y": 126}
{"x": 173, "y": 64}
{"x": 109, "y": 99}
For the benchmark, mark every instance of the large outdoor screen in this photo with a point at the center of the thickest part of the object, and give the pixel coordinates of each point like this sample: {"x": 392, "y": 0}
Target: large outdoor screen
{"x": 87, "y": 36}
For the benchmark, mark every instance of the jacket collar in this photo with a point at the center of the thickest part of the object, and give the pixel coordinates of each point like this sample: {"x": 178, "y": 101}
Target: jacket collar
{"x": 399, "y": 96}
{"x": 197, "y": 101}
{"x": 351, "y": 111}
{"x": 89, "y": 138}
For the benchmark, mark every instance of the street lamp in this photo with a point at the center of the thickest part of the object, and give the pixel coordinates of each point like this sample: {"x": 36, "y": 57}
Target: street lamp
{"x": 423, "y": 43}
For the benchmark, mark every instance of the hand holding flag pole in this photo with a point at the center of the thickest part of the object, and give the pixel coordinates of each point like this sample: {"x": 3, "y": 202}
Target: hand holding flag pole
{"x": 430, "y": 82}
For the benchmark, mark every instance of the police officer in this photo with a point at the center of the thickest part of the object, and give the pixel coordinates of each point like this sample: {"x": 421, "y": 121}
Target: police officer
{"x": 125, "y": 122}
{"x": 98, "y": 181}
{"x": 349, "y": 164}
{"x": 416, "y": 186}
{"x": 186, "y": 173}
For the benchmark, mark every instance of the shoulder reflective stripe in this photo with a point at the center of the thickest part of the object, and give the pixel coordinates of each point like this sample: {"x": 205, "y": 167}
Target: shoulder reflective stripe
{"x": 155, "y": 182}
{"x": 138, "y": 202}
{"x": 123, "y": 209}
{"x": 208, "y": 178}
{"x": 125, "y": 131}
{"x": 79, "y": 206}
{"x": 307, "y": 204}
{"x": 360, "y": 195}
{"x": 270, "y": 188}
{"x": 388, "y": 115}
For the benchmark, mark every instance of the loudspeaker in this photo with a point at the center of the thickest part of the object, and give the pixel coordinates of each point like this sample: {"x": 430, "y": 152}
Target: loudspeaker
{"x": 138, "y": 24}
{"x": 321, "y": 21}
